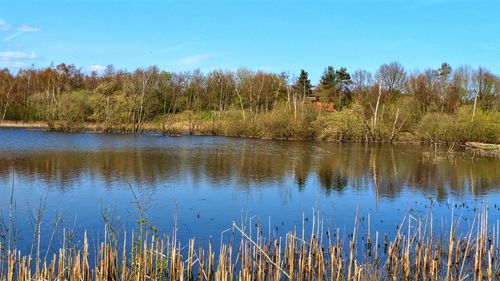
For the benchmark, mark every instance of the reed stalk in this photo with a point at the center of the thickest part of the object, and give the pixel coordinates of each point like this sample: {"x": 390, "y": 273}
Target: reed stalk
{"x": 413, "y": 254}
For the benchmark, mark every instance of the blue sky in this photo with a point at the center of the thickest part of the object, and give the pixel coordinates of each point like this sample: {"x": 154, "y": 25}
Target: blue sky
{"x": 263, "y": 34}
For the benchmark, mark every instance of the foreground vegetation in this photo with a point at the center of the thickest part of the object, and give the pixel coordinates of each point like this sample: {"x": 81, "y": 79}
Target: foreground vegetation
{"x": 436, "y": 105}
{"x": 414, "y": 253}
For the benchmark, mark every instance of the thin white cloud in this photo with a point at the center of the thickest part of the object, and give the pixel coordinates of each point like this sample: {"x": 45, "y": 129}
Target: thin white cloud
{"x": 178, "y": 47}
{"x": 12, "y": 36}
{"x": 16, "y": 59}
{"x": 193, "y": 60}
{"x": 13, "y": 64}
{"x": 4, "y": 25}
{"x": 28, "y": 28}
{"x": 21, "y": 30}
{"x": 97, "y": 68}
{"x": 14, "y": 55}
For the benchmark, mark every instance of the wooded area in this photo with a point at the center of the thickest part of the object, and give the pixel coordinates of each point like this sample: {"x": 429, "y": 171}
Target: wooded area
{"x": 434, "y": 105}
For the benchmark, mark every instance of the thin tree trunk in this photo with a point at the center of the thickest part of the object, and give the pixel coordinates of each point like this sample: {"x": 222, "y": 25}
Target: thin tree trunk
{"x": 303, "y": 97}
{"x": 8, "y": 101}
{"x": 141, "y": 108}
{"x": 26, "y": 99}
{"x": 375, "y": 113}
{"x": 393, "y": 134}
{"x": 288, "y": 104}
{"x": 475, "y": 104}
{"x": 139, "y": 117}
{"x": 294, "y": 105}
{"x": 107, "y": 110}
{"x": 3, "y": 115}
{"x": 241, "y": 104}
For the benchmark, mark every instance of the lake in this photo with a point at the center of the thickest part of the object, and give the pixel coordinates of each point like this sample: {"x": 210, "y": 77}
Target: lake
{"x": 204, "y": 183}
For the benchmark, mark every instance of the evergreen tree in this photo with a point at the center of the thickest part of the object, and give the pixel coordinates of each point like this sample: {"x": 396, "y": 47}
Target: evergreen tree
{"x": 303, "y": 84}
{"x": 342, "y": 78}
{"x": 444, "y": 71}
{"x": 334, "y": 86}
{"x": 328, "y": 80}
{"x": 343, "y": 91}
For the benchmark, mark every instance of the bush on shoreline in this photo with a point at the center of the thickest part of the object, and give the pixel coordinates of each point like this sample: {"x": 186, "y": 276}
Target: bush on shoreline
{"x": 347, "y": 125}
{"x": 460, "y": 127}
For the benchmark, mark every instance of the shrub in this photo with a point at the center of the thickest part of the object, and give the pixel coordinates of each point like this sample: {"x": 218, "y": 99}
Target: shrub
{"x": 73, "y": 110}
{"x": 169, "y": 124}
{"x": 438, "y": 127}
{"x": 345, "y": 125}
{"x": 277, "y": 125}
{"x": 460, "y": 127}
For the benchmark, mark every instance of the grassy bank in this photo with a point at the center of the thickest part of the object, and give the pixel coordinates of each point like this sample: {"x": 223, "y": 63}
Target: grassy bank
{"x": 414, "y": 253}
{"x": 22, "y": 124}
{"x": 393, "y": 125}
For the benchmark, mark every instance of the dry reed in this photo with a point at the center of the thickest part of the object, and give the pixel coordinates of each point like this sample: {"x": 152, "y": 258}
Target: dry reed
{"x": 413, "y": 254}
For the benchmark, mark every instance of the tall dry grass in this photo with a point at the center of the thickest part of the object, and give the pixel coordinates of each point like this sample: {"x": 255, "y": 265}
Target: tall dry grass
{"x": 414, "y": 253}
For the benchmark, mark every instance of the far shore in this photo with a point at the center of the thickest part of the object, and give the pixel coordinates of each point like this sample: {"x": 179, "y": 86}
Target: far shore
{"x": 85, "y": 127}
{"x": 22, "y": 124}
{"x": 182, "y": 130}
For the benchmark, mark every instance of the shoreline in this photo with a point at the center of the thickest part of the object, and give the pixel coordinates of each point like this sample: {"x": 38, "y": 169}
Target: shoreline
{"x": 93, "y": 128}
{"x": 152, "y": 129}
{"x": 25, "y": 125}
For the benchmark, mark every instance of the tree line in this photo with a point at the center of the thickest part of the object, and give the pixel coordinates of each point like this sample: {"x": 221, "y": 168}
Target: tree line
{"x": 388, "y": 105}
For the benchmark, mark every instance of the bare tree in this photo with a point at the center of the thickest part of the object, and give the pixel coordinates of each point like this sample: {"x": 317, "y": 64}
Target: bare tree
{"x": 463, "y": 88}
{"x": 392, "y": 77}
{"x": 147, "y": 80}
{"x": 361, "y": 80}
{"x": 242, "y": 86}
{"x": 423, "y": 88}
{"x": 483, "y": 85}
{"x": 7, "y": 83}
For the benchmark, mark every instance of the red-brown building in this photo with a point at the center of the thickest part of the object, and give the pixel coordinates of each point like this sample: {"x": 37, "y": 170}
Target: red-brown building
{"x": 316, "y": 103}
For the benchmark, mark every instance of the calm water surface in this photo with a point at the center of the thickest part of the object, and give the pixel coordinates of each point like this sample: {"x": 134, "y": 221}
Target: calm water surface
{"x": 206, "y": 183}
